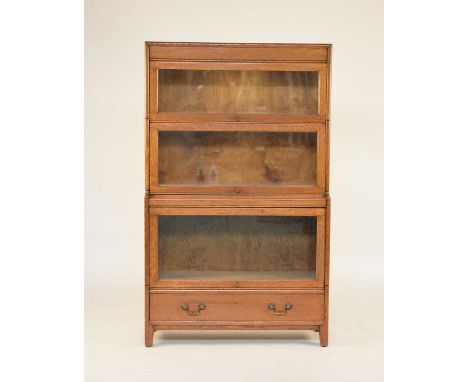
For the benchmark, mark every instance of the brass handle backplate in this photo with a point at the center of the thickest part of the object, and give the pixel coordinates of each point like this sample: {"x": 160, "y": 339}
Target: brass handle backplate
{"x": 193, "y": 312}
{"x": 280, "y": 312}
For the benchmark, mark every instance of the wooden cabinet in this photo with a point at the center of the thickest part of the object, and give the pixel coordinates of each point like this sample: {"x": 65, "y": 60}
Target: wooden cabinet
{"x": 237, "y": 211}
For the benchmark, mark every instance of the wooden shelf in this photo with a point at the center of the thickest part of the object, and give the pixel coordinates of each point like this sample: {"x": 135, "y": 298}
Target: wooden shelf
{"x": 237, "y": 275}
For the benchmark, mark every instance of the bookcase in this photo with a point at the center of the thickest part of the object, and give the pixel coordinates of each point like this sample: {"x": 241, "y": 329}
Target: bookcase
{"x": 237, "y": 208}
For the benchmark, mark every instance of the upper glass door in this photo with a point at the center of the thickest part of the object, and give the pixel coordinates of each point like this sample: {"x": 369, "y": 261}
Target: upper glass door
{"x": 238, "y": 91}
{"x": 189, "y": 92}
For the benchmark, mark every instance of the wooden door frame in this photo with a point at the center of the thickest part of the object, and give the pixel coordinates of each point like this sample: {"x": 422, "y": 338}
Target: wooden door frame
{"x": 154, "y": 212}
{"x": 156, "y": 188}
{"x": 152, "y": 86}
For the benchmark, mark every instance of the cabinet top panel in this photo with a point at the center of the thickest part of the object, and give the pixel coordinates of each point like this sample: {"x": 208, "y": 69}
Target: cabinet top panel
{"x": 166, "y": 51}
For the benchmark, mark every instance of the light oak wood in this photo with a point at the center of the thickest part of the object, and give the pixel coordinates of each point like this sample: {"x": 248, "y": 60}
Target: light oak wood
{"x": 147, "y": 240}
{"x": 238, "y": 52}
{"x": 226, "y": 325}
{"x": 212, "y": 90}
{"x": 149, "y": 334}
{"x": 259, "y": 200}
{"x": 327, "y": 241}
{"x": 149, "y": 329}
{"x": 307, "y": 308}
{"x": 323, "y": 331}
{"x": 269, "y": 211}
{"x": 230, "y": 126}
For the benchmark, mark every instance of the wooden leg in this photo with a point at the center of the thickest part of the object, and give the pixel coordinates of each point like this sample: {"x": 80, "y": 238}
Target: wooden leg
{"x": 324, "y": 327}
{"x": 324, "y": 334}
{"x": 149, "y": 333}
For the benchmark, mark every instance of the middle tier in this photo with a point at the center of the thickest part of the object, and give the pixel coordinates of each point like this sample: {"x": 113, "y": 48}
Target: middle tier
{"x": 237, "y": 158}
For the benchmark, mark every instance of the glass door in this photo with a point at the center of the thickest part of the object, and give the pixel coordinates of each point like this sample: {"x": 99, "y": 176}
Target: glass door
{"x": 238, "y": 91}
{"x": 189, "y": 91}
{"x": 245, "y": 158}
{"x": 234, "y": 247}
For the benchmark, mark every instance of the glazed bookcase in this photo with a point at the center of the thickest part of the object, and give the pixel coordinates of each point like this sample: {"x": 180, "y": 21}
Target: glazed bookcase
{"x": 237, "y": 209}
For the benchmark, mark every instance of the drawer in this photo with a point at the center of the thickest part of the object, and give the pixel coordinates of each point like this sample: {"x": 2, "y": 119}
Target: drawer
{"x": 239, "y": 306}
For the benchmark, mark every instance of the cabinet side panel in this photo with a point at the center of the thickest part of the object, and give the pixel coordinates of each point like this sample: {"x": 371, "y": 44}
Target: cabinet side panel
{"x": 153, "y": 246}
{"x": 147, "y": 239}
{"x": 327, "y": 241}
{"x": 147, "y": 156}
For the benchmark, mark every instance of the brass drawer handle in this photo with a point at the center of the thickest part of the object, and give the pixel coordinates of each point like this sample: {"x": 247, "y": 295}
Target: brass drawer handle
{"x": 193, "y": 312}
{"x": 280, "y": 312}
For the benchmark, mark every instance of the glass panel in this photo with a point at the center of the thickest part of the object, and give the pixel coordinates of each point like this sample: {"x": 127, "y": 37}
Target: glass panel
{"x": 237, "y": 91}
{"x": 237, "y": 158}
{"x": 237, "y": 247}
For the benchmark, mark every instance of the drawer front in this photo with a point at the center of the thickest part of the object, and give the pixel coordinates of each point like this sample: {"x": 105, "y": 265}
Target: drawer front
{"x": 245, "y": 306}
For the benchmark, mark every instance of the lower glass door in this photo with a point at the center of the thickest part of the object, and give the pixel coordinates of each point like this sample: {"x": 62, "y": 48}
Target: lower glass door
{"x": 234, "y": 249}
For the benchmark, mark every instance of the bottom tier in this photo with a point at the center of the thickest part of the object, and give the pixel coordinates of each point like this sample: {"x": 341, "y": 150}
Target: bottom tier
{"x": 235, "y": 309}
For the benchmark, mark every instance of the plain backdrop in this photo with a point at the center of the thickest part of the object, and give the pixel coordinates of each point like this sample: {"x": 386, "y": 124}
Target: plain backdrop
{"x": 115, "y": 32}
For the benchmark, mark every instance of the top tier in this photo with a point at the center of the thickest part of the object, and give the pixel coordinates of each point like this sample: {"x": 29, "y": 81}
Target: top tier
{"x": 271, "y": 83}
{"x": 237, "y": 118}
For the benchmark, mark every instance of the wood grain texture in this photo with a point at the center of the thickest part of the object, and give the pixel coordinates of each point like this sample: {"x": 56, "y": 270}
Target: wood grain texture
{"x": 327, "y": 241}
{"x": 240, "y": 284}
{"x": 230, "y": 126}
{"x": 238, "y": 52}
{"x": 311, "y": 191}
{"x": 147, "y": 240}
{"x": 149, "y": 329}
{"x": 147, "y": 155}
{"x": 228, "y": 325}
{"x": 237, "y": 306}
{"x": 270, "y": 211}
{"x": 290, "y": 200}
{"x": 323, "y": 332}
{"x": 238, "y": 118}
{"x": 147, "y": 81}
{"x": 153, "y": 245}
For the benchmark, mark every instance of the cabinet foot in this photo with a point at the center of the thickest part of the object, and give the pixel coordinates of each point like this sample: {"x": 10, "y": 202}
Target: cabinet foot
{"x": 323, "y": 332}
{"x": 149, "y": 334}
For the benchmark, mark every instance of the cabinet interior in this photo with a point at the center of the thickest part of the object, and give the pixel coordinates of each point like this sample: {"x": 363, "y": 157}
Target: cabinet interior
{"x": 237, "y": 247}
{"x": 238, "y": 91}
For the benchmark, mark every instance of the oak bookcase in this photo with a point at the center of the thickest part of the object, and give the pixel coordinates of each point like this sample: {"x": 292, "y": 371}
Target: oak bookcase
{"x": 237, "y": 210}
